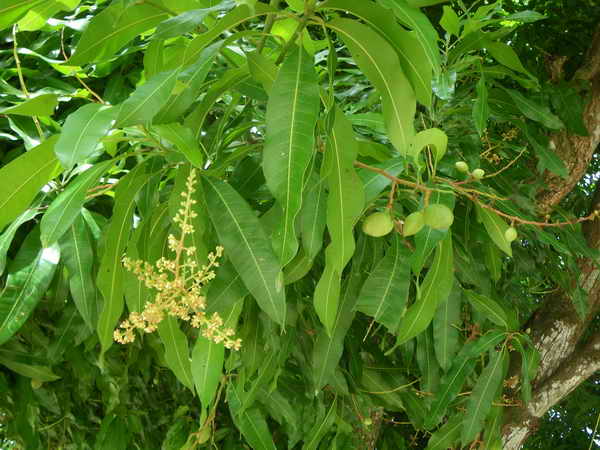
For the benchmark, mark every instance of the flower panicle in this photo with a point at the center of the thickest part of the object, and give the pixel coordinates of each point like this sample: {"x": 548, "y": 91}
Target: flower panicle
{"x": 178, "y": 284}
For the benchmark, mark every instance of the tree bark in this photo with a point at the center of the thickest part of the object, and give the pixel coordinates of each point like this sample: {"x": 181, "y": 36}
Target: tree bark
{"x": 557, "y": 328}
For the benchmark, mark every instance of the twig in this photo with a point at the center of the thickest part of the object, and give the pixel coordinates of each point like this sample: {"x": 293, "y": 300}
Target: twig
{"x": 292, "y": 40}
{"x": 22, "y": 80}
{"x": 268, "y": 26}
{"x": 62, "y": 50}
{"x": 508, "y": 165}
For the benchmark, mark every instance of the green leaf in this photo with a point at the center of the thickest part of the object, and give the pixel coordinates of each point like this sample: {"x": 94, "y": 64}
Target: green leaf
{"x": 482, "y": 396}
{"x": 226, "y": 289}
{"x": 37, "y": 16}
{"x": 481, "y": 110}
{"x": 446, "y": 325}
{"x": 183, "y": 139}
{"x": 188, "y": 86}
{"x": 292, "y": 114}
{"x": 65, "y": 208}
{"x": 77, "y": 252}
{"x": 251, "y": 422}
{"x": 82, "y": 132}
{"x": 385, "y": 292}
{"x": 111, "y": 272}
{"x": 344, "y": 207}
{"x": 114, "y": 27}
{"x": 24, "y": 177}
{"x": 379, "y": 62}
{"x": 569, "y": 106}
{"x": 419, "y": 23}
{"x": 35, "y": 372}
{"x": 328, "y": 348}
{"x": 262, "y": 69}
{"x": 147, "y": 100}
{"x": 495, "y": 227}
{"x": 313, "y": 438}
{"x": 413, "y": 53}
{"x": 529, "y": 360}
{"x": 535, "y": 111}
{"x": 186, "y": 22}
{"x": 313, "y": 216}
{"x": 433, "y": 137}
{"x": 547, "y": 158}
{"x": 177, "y": 351}
{"x": 28, "y": 278}
{"x": 450, "y": 21}
{"x": 506, "y": 56}
{"x": 208, "y": 358}
{"x": 42, "y": 105}
{"x": 6, "y": 238}
{"x": 12, "y": 10}
{"x": 446, "y": 436}
{"x": 489, "y": 308}
{"x": 434, "y": 290}
{"x": 246, "y": 246}
{"x": 450, "y": 386}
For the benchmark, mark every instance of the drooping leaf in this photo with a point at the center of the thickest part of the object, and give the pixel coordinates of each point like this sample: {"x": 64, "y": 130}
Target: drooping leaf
{"x": 481, "y": 110}
{"x": 446, "y": 324}
{"x": 489, "y": 308}
{"x": 28, "y": 278}
{"x": 483, "y": 394}
{"x": 447, "y": 435}
{"x": 495, "y": 226}
{"x": 434, "y": 290}
{"x": 385, "y": 292}
{"x": 35, "y": 372}
{"x": 177, "y": 352}
{"x": 328, "y": 349}
{"x": 450, "y": 21}
{"x": 65, "y": 208}
{"x": 37, "y": 16}
{"x": 6, "y": 238}
{"x": 82, "y": 132}
{"x": 344, "y": 206}
{"x": 226, "y": 289}
{"x": 419, "y": 23}
{"x": 111, "y": 272}
{"x": 534, "y": 111}
{"x": 208, "y": 357}
{"x": 289, "y": 142}
{"x": 42, "y": 105}
{"x": 378, "y": 60}
{"x": 251, "y": 422}
{"x": 246, "y": 246}
{"x": 315, "y": 435}
{"x": 78, "y": 256}
{"x": 24, "y": 177}
{"x": 313, "y": 216}
{"x": 414, "y": 54}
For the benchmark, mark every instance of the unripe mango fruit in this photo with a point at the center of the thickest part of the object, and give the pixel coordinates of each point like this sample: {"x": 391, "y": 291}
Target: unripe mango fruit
{"x": 378, "y": 224}
{"x": 413, "y": 223}
{"x": 478, "y": 174}
{"x": 510, "y": 234}
{"x": 461, "y": 166}
{"x": 438, "y": 216}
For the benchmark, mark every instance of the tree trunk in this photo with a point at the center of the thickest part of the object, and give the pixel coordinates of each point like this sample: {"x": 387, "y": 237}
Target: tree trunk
{"x": 556, "y": 328}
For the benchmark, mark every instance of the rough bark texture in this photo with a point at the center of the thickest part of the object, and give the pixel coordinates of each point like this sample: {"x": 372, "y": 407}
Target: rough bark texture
{"x": 576, "y": 151}
{"x": 556, "y": 328}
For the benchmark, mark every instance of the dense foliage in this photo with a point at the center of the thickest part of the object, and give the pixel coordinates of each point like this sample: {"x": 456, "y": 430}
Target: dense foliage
{"x": 371, "y": 170}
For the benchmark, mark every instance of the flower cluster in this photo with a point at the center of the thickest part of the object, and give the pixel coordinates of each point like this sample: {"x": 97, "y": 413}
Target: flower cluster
{"x": 178, "y": 283}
